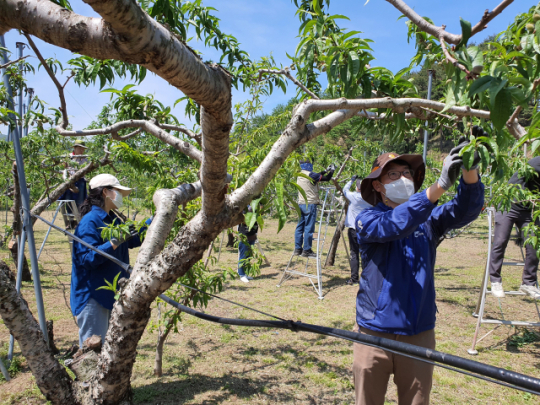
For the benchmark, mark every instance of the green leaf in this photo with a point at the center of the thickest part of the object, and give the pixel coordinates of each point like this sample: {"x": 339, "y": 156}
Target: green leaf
{"x": 484, "y": 156}
{"x": 502, "y": 109}
{"x": 480, "y": 85}
{"x": 280, "y": 206}
{"x": 355, "y": 63}
{"x": 465, "y": 33}
{"x": 535, "y": 146}
{"x": 496, "y": 86}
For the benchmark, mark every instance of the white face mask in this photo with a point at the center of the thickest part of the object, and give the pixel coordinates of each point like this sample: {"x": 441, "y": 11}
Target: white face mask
{"x": 400, "y": 190}
{"x": 118, "y": 200}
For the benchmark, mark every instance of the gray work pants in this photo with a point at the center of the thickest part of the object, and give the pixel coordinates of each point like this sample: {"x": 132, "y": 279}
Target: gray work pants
{"x": 504, "y": 222}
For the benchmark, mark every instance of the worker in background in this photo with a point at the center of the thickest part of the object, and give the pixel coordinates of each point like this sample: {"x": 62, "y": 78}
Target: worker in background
{"x": 303, "y": 237}
{"x": 356, "y": 205}
{"x": 520, "y": 215}
{"x": 77, "y": 191}
{"x": 397, "y": 239}
{"x": 92, "y": 306}
{"x": 245, "y": 250}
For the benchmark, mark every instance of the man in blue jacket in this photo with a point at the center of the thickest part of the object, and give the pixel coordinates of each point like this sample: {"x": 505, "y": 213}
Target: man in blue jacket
{"x": 398, "y": 239}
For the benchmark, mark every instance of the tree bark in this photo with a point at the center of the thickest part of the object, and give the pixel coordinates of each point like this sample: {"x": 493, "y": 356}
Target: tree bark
{"x": 14, "y": 249}
{"x": 51, "y": 378}
{"x": 331, "y": 258}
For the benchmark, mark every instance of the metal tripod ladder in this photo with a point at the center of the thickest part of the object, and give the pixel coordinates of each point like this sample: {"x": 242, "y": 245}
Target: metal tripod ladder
{"x": 480, "y": 306}
{"x": 71, "y": 220}
{"x": 328, "y": 208}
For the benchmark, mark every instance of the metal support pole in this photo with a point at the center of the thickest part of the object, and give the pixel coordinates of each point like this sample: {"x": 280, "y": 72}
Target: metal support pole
{"x": 20, "y": 264}
{"x": 20, "y": 47}
{"x": 4, "y": 371}
{"x": 426, "y": 133}
{"x": 25, "y": 198}
{"x": 49, "y": 230}
{"x": 28, "y": 104}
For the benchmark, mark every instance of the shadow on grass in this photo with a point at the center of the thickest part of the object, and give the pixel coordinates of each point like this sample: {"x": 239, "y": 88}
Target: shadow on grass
{"x": 238, "y": 386}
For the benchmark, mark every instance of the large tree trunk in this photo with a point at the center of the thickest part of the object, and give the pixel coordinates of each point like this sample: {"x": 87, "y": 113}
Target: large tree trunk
{"x": 51, "y": 377}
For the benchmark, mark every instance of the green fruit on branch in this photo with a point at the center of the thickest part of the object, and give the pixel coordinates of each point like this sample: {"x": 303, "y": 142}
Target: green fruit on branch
{"x": 530, "y": 27}
{"x": 536, "y": 17}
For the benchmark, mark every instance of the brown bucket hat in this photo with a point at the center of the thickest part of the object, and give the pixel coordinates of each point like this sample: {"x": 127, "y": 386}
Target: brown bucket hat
{"x": 416, "y": 162}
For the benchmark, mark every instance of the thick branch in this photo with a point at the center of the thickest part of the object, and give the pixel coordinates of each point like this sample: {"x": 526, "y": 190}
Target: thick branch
{"x": 167, "y": 203}
{"x": 196, "y": 137}
{"x": 125, "y": 33}
{"x": 51, "y": 378}
{"x": 439, "y": 32}
{"x": 13, "y": 62}
{"x": 59, "y": 87}
{"x": 287, "y": 73}
{"x": 488, "y": 16}
{"x": 150, "y": 127}
{"x": 116, "y": 137}
{"x": 62, "y": 188}
{"x": 423, "y": 25}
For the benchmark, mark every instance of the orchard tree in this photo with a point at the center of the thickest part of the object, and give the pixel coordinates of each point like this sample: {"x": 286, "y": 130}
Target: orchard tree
{"x": 492, "y": 85}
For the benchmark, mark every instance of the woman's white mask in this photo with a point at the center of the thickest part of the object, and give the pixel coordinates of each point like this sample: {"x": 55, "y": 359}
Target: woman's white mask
{"x": 400, "y": 190}
{"x": 117, "y": 200}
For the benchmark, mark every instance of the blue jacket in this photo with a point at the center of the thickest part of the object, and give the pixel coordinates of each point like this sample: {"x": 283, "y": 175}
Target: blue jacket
{"x": 89, "y": 269}
{"x": 398, "y": 250}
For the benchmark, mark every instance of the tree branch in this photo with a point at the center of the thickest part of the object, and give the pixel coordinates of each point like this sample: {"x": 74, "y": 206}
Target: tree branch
{"x": 286, "y": 72}
{"x": 13, "y": 62}
{"x": 488, "y": 16}
{"x": 125, "y": 33}
{"x": 453, "y": 60}
{"x": 423, "y": 25}
{"x": 151, "y": 127}
{"x": 51, "y": 377}
{"x": 60, "y": 88}
{"x": 196, "y": 137}
{"x": 62, "y": 188}
{"x": 439, "y": 32}
{"x": 513, "y": 125}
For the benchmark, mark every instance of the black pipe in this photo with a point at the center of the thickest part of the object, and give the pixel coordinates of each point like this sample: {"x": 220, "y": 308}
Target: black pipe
{"x": 529, "y": 383}
{"x": 523, "y": 381}
{"x": 113, "y": 259}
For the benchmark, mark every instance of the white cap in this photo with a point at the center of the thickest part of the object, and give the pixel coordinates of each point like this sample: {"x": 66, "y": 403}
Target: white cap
{"x": 108, "y": 180}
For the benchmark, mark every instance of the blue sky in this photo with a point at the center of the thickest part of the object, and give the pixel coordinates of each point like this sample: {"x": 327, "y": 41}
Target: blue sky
{"x": 264, "y": 27}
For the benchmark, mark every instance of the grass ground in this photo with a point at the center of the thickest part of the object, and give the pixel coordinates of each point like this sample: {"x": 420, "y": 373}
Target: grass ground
{"x": 206, "y": 363}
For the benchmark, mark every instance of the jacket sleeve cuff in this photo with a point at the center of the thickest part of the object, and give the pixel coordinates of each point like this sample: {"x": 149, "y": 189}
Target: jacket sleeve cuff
{"x": 423, "y": 201}
{"x": 470, "y": 187}
{"x": 107, "y": 247}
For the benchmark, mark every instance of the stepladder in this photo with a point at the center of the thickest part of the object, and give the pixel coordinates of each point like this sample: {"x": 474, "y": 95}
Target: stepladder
{"x": 295, "y": 266}
{"x": 480, "y": 311}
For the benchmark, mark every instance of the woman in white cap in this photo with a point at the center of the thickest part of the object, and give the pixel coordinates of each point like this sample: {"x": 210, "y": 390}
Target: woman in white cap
{"x": 91, "y": 306}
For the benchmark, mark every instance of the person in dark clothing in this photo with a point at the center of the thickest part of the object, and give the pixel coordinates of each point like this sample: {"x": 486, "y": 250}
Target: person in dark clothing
{"x": 520, "y": 215}
{"x": 303, "y": 236}
{"x": 245, "y": 250}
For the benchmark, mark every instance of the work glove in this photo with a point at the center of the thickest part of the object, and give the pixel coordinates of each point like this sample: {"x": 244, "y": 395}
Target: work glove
{"x": 124, "y": 238}
{"x": 451, "y": 167}
{"x": 354, "y": 178}
{"x": 331, "y": 168}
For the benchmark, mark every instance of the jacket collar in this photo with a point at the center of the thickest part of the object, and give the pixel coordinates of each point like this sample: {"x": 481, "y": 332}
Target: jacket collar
{"x": 383, "y": 207}
{"x": 100, "y": 212}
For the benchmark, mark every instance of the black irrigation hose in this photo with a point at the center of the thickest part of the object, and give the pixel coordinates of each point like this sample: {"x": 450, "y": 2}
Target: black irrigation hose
{"x": 125, "y": 266}
{"x": 483, "y": 371}
{"x": 495, "y": 374}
